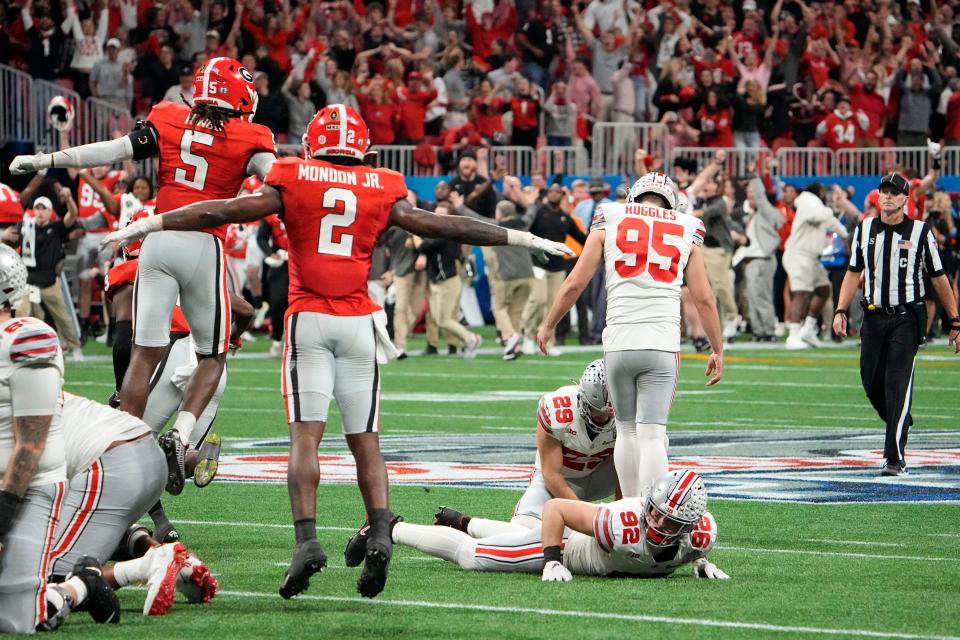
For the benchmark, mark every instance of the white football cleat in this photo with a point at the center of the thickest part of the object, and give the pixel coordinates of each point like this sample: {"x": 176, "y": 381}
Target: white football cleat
{"x": 276, "y": 349}
{"x": 165, "y": 566}
{"x": 529, "y": 347}
{"x": 795, "y": 343}
{"x": 196, "y": 582}
{"x": 470, "y": 350}
{"x": 809, "y": 335}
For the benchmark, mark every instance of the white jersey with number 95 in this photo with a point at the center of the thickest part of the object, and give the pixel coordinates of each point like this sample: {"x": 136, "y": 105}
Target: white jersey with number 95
{"x": 645, "y": 253}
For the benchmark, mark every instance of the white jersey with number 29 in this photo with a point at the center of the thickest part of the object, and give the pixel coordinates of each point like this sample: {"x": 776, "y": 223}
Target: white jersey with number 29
{"x": 645, "y": 253}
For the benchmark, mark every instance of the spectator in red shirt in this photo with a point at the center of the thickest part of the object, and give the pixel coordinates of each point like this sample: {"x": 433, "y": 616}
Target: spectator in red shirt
{"x": 380, "y": 114}
{"x": 819, "y": 60}
{"x": 716, "y": 120}
{"x": 275, "y": 35}
{"x": 526, "y": 115}
{"x": 842, "y": 127}
{"x": 413, "y": 99}
{"x": 487, "y": 112}
{"x": 952, "y": 132}
{"x": 865, "y": 97}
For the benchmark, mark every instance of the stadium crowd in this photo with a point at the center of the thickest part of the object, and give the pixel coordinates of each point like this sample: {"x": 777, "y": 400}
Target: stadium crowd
{"x": 466, "y": 77}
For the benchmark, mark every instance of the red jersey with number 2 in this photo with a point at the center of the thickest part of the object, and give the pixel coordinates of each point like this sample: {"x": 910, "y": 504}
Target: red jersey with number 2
{"x": 333, "y": 216}
{"x": 646, "y": 249}
{"x": 197, "y": 163}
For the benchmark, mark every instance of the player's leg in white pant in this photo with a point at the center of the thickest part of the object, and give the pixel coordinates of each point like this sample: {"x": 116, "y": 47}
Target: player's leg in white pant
{"x": 518, "y": 550}
{"x": 165, "y": 396}
{"x": 621, "y": 379}
{"x": 105, "y": 499}
{"x": 484, "y": 528}
{"x": 656, "y": 389}
{"x": 25, "y": 560}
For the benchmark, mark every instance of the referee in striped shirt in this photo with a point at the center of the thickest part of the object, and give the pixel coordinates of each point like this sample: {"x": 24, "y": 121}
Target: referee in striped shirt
{"x": 893, "y": 253}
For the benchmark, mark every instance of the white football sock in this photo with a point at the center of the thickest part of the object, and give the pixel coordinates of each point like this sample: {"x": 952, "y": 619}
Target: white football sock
{"x": 440, "y": 542}
{"x": 627, "y": 458}
{"x": 133, "y": 571}
{"x": 793, "y": 328}
{"x": 185, "y": 423}
{"x": 483, "y": 528}
{"x": 653, "y": 460}
{"x": 74, "y": 587}
{"x": 810, "y": 323}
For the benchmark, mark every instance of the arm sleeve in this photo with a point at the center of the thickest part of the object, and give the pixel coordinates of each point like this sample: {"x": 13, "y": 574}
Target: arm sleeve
{"x": 931, "y": 258}
{"x": 263, "y": 238}
{"x": 856, "y": 257}
{"x": 35, "y": 390}
{"x": 94, "y": 154}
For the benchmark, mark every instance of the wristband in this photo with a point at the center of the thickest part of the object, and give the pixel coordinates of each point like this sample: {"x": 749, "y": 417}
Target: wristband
{"x": 839, "y": 311}
{"x": 9, "y": 505}
{"x": 935, "y": 163}
{"x": 954, "y": 323}
{"x": 552, "y": 553}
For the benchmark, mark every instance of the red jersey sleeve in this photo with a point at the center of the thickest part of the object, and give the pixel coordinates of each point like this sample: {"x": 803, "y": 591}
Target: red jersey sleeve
{"x": 119, "y": 276}
{"x": 393, "y": 185}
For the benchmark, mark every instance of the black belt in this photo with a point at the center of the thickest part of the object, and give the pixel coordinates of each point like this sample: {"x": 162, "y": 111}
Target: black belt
{"x": 897, "y": 310}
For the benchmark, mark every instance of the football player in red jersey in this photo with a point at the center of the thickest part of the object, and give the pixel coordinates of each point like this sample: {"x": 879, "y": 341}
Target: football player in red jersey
{"x": 199, "y": 149}
{"x": 334, "y": 209}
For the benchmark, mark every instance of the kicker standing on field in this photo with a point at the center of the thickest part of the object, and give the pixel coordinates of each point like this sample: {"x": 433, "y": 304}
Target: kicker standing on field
{"x": 893, "y": 252}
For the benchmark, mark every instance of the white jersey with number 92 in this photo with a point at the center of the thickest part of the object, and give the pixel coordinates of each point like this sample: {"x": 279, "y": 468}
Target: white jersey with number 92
{"x": 645, "y": 253}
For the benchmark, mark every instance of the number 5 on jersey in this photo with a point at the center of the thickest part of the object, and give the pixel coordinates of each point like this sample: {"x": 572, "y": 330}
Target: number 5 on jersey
{"x": 191, "y": 159}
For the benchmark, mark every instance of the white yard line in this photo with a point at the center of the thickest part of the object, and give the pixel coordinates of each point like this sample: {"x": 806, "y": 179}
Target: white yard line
{"x": 865, "y": 543}
{"x": 601, "y": 615}
{"x": 220, "y": 523}
{"x": 838, "y": 554}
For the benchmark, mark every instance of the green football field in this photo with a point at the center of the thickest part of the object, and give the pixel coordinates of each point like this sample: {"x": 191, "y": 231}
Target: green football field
{"x": 817, "y": 544}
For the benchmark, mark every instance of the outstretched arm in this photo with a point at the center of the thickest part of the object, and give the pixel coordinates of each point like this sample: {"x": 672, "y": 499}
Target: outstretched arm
{"x": 467, "y": 231}
{"x": 573, "y": 286}
{"x": 202, "y": 215}
{"x": 83, "y": 157}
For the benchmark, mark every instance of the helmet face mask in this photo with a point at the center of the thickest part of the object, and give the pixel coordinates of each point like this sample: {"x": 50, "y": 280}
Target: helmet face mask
{"x": 13, "y": 276}
{"x": 658, "y": 184}
{"x": 593, "y": 397}
{"x": 675, "y": 504}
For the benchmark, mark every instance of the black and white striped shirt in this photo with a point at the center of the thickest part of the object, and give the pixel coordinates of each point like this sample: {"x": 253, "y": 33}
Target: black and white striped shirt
{"x": 894, "y": 259}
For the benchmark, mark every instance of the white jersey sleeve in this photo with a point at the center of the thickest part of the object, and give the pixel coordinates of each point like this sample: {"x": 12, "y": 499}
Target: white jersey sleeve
{"x": 559, "y": 415}
{"x": 31, "y": 383}
{"x": 646, "y": 250}
{"x": 90, "y": 428}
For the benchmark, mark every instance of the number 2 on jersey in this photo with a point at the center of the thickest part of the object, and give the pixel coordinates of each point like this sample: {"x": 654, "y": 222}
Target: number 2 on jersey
{"x": 191, "y": 159}
{"x": 631, "y": 527}
{"x": 331, "y": 199}
{"x": 635, "y": 238}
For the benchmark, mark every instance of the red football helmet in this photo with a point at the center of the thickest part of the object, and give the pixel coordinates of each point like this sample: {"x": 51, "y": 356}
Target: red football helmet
{"x": 337, "y": 130}
{"x": 223, "y": 82}
{"x": 132, "y": 250}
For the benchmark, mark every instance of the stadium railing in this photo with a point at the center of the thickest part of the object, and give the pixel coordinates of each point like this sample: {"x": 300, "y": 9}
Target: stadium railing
{"x": 740, "y": 161}
{"x": 805, "y": 161}
{"x": 563, "y": 160}
{"x": 16, "y": 95}
{"x": 614, "y": 145}
{"x": 876, "y": 161}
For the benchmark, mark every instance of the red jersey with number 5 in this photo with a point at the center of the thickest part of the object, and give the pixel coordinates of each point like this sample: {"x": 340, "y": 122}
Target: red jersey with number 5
{"x": 333, "y": 215}
{"x": 645, "y": 253}
{"x": 197, "y": 163}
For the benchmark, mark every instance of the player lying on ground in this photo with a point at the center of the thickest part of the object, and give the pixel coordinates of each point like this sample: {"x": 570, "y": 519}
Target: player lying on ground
{"x": 195, "y": 453}
{"x": 575, "y": 439}
{"x": 643, "y": 537}
{"x": 205, "y": 152}
{"x": 334, "y": 210}
{"x": 647, "y": 249}
{"x": 117, "y": 471}
{"x": 33, "y": 474}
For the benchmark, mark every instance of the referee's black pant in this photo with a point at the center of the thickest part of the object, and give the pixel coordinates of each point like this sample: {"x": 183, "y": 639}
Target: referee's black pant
{"x": 888, "y": 348}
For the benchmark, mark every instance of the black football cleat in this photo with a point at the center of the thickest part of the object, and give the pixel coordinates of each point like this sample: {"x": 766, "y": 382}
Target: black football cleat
{"x": 174, "y": 451}
{"x": 447, "y": 517}
{"x": 166, "y": 533}
{"x": 101, "y": 600}
{"x": 373, "y": 578}
{"x": 308, "y": 559}
{"x": 356, "y": 549}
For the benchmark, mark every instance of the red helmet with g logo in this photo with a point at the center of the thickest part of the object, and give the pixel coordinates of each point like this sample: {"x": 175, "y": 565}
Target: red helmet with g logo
{"x": 224, "y": 83}
{"x": 132, "y": 250}
{"x": 337, "y": 130}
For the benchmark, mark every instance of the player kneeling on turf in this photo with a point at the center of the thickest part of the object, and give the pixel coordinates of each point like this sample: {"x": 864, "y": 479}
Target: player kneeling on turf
{"x": 643, "y": 537}
{"x": 575, "y": 439}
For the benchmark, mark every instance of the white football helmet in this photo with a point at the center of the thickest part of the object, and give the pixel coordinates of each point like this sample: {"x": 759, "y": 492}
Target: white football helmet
{"x": 60, "y": 113}
{"x": 593, "y": 395}
{"x": 674, "y": 506}
{"x": 13, "y": 275}
{"x": 657, "y": 183}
